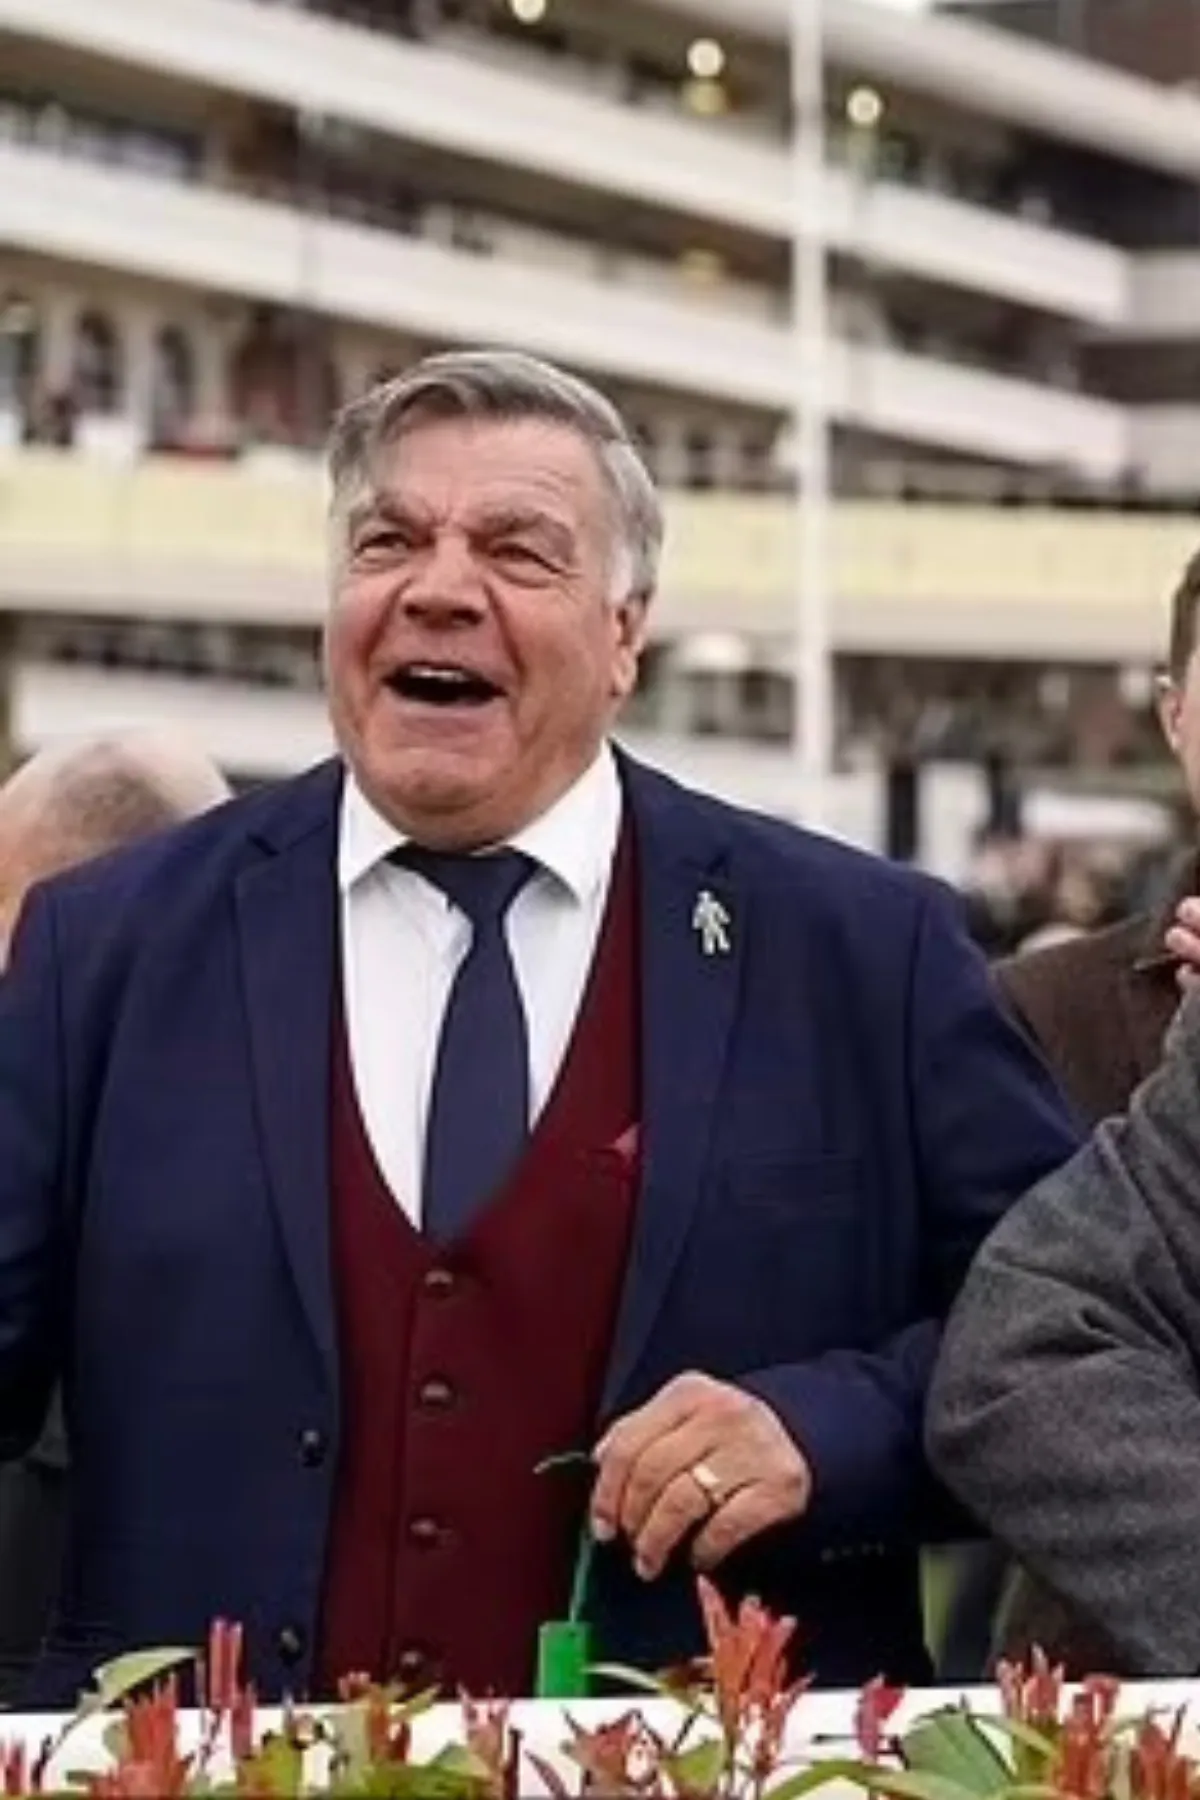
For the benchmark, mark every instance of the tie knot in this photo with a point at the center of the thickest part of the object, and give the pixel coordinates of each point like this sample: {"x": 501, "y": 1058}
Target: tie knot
{"x": 483, "y": 887}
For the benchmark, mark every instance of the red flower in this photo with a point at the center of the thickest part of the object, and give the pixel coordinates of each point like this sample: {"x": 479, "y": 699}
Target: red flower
{"x": 14, "y": 1770}
{"x": 1033, "y": 1696}
{"x": 129, "y": 1781}
{"x": 241, "y": 1723}
{"x": 748, "y": 1658}
{"x": 485, "y": 1723}
{"x": 1156, "y": 1769}
{"x": 152, "y": 1741}
{"x": 615, "y": 1758}
{"x": 224, "y": 1666}
{"x": 876, "y": 1704}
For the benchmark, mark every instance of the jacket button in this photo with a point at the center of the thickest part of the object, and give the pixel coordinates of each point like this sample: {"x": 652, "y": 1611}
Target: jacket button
{"x": 425, "y": 1531}
{"x": 312, "y": 1448}
{"x": 411, "y": 1664}
{"x": 290, "y": 1644}
{"x": 436, "y": 1394}
{"x": 439, "y": 1282}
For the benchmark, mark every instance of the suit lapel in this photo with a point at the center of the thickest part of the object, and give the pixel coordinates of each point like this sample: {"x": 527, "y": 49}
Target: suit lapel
{"x": 287, "y": 931}
{"x": 689, "y": 998}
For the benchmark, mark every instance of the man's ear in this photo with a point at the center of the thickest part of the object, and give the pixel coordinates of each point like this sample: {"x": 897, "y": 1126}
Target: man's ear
{"x": 631, "y": 621}
{"x": 1168, "y": 703}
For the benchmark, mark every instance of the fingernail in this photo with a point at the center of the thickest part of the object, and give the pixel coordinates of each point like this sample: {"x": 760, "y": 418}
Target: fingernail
{"x": 643, "y": 1570}
{"x": 602, "y": 1531}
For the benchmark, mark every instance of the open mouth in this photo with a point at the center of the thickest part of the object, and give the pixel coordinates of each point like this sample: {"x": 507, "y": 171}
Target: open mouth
{"x": 442, "y": 684}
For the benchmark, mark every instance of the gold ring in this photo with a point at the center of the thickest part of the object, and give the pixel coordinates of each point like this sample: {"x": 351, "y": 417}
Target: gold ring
{"x": 709, "y": 1485}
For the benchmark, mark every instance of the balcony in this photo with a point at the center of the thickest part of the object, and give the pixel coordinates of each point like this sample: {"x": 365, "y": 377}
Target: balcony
{"x": 430, "y": 94}
{"x": 147, "y": 227}
{"x": 1040, "y": 88}
{"x": 167, "y": 540}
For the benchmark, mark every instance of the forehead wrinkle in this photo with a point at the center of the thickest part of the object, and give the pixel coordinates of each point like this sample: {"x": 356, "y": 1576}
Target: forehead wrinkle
{"x": 534, "y": 453}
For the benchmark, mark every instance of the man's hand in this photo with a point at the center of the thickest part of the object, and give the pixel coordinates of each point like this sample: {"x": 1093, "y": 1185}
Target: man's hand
{"x": 701, "y": 1453}
{"x": 1183, "y": 941}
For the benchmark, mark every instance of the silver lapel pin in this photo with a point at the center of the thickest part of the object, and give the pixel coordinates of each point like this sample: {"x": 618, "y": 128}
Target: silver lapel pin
{"x": 711, "y": 921}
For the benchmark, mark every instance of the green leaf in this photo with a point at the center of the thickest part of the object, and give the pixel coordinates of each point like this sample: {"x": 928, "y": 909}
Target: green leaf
{"x": 404, "y": 1711}
{"x": 633, "y": 1678}
{"x": 1033, "y": 1750}
{"x": 278, "y": 1767}
{"x": 1027, "y": 1736}
{"x": 115, "y": 1680}
{"x": 115, "y": 1738}
{"x": 408, "y": 1781}
{"x": 903, "y": 1783}
{"x": 951, "y": 1745}
{"x": 457, "y": 1759}
{"x": 698, "y": 1770}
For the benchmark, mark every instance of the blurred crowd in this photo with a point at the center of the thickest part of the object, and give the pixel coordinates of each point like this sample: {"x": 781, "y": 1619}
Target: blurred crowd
{"x": 1023, "y": 891}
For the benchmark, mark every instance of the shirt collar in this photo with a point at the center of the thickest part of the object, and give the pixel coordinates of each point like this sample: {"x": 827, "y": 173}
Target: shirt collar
{"x": 574, "y": 840}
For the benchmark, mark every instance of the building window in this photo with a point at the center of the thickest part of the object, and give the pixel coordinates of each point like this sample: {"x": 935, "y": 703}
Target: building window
{"x": 98, "y": 374}
{"x": 20, "y": 344}
{"x": 173, "y": 398}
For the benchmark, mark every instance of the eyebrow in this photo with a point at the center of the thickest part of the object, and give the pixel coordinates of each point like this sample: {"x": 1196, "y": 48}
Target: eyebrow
{"x": 519, "y": 520}
{"x": 495, "y": 521}
{"x": 378, "y": 509}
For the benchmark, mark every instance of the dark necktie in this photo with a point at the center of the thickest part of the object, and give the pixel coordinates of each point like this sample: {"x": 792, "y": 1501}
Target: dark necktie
{"x": 479, "y": 1104}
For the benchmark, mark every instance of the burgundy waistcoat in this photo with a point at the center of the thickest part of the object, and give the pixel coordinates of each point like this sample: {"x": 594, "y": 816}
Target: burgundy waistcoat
{"x": 464, "y": 1367}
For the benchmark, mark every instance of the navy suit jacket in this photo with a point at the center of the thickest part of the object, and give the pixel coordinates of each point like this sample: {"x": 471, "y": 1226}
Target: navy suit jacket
{"x": 834, "y": 1113}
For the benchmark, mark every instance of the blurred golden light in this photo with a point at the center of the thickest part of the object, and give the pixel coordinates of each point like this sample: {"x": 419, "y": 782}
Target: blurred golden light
{"x": 528, "y": 12}
{"x": 864, "y": 108}
{"x": 705, "y": 98}
{"x": 702, "y": 266}
{"x": 706, "y": 59}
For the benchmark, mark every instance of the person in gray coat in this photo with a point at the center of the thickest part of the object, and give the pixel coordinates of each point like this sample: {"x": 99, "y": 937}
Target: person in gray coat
{"x": 1065, "y": 1410}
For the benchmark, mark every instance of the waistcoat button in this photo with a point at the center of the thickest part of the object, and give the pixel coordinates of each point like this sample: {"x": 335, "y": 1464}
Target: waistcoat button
{"x": 436, "y": 1394}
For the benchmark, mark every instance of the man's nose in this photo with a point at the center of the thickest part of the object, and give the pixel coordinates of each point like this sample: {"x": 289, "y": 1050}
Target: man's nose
{"x": 447, "y": 585}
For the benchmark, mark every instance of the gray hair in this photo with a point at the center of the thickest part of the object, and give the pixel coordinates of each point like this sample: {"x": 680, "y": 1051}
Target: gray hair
{"x": 505, "y": 384}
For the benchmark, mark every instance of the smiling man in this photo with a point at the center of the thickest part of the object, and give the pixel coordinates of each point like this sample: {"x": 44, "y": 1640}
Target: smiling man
{"x": 482, "y": 1100}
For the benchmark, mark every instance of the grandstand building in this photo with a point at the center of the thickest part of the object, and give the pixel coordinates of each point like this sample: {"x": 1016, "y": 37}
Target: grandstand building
{"x": 220, "y": 217}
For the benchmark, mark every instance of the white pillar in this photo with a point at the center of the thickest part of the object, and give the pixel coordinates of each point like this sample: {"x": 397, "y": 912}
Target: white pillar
{"x": 59, "y": 313}
{"x": 212, "y": 341}
{"x": 136, "y": 325}
{"x": 670, "y": 452}
{"x": 812, "y": 660}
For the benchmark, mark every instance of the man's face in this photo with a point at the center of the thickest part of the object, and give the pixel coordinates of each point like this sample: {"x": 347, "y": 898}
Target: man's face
{"x": 1179, "y": 714}
{"x": 474, "y": 654}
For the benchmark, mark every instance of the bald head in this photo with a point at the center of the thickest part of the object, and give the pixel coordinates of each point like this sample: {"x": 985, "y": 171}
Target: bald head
{"x": 77, "y": 801}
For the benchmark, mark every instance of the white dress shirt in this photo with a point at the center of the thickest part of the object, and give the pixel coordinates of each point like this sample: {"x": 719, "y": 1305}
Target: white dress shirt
{"x": 403, "y": 940}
